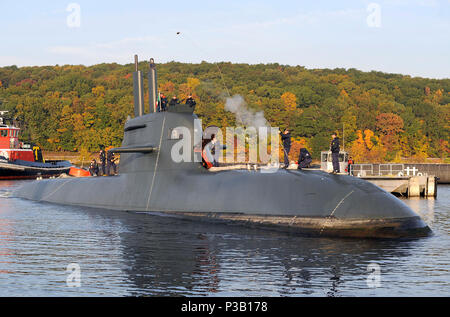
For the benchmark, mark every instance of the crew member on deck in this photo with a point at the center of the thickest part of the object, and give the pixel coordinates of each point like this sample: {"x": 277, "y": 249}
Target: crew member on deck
{"x": 304, "y": 159}
{"x": 93, "y": 168}
{"x": 335, "y": 149}
{"x": 102, "y": 156}
{"x": 110, "y": 163}
{"x": 286, "y": 139}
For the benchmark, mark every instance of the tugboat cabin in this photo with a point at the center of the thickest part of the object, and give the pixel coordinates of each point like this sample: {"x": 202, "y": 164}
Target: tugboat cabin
{"x": 10, "y": 147}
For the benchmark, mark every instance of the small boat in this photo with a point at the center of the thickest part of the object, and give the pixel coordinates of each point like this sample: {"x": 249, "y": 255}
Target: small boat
{"x": 19, "y": 160}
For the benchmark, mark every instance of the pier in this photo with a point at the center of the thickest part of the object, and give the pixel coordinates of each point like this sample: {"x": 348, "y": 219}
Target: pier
{"x": 400, "y": 179}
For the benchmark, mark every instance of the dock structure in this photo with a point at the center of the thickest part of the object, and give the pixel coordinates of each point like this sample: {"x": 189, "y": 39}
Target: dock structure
{"x": 442, "y": 171}
{"x": 407, "y": 186}
{"x": 401, "y": 180}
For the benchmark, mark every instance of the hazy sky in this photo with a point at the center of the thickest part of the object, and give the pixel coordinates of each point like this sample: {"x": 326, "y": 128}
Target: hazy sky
{"x": 398, "y": 36}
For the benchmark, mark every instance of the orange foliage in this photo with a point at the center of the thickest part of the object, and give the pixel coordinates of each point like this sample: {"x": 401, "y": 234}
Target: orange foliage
{"x": 289, "y": 101}
{"x": 367, "y": 148}
{"x": 295, "y": 148}
{"x": 389, "y": 123}
{"x": 167, "y": 88}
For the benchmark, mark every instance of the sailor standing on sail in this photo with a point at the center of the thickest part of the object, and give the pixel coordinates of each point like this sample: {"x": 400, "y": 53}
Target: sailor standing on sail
{"x": 190, "y": 101}
{"x": 174, "y": 101}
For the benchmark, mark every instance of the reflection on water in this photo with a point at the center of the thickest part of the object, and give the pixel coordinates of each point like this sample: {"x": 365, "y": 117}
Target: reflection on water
{"x": 122, "y": 253}
{"x": 423, "y": 207}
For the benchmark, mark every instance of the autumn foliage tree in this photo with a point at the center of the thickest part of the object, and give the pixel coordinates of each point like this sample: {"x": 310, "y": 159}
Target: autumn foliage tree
{"x": 367, "y": 148}
{"x": 390, "y": 126}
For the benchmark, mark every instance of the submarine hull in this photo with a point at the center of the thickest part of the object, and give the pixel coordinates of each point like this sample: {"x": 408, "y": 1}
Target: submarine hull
{"x": 311, "y": 203}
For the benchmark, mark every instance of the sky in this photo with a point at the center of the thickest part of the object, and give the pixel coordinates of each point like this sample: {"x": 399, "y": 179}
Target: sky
{"x": 410, "y": 37}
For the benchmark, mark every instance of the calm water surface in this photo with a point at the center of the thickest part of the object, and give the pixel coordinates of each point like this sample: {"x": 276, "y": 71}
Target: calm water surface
{"x": 122, "y": 254}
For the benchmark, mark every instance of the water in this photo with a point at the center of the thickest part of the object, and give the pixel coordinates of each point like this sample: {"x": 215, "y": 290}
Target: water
{"x": 131, "y": 254}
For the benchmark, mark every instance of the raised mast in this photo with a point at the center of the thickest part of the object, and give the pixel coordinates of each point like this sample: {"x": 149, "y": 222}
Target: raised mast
{"x": 152, "y": 86}
{"x": 138, "y": 89}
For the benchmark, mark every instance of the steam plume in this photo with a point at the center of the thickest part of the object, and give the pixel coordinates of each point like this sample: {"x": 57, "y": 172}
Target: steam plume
{"x": 244, "y": 115}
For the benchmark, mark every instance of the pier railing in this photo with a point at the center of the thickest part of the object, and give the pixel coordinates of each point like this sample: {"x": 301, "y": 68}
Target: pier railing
{"x": 391, "y": 169}
{"x": 398, "y": 179}
{"x": 362, "y": 170}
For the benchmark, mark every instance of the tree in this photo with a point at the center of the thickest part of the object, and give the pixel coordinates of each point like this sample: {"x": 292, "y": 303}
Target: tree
{"x": 389, "y": 124}
{"x": 367, "y": 148}
{"x": 99, "y": 91}
{"x": 289, "y": 101}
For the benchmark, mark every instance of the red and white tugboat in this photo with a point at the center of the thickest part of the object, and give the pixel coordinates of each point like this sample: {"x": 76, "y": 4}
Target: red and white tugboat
{"x": 19, "y": 160}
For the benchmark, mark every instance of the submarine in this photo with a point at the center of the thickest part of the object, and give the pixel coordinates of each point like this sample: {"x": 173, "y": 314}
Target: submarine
{"x": 306, "y": 202}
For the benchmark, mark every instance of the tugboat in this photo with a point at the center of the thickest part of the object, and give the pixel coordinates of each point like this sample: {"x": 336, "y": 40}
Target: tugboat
{"x": 19, "y": 160}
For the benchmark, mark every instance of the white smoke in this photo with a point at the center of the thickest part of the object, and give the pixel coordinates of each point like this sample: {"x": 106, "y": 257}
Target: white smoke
{"x": 244, "y": 115}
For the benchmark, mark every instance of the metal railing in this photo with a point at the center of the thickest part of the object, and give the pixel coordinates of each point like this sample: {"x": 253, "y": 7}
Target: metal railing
{"x": 390, "y": 169}
{"x": 362, "y": 170}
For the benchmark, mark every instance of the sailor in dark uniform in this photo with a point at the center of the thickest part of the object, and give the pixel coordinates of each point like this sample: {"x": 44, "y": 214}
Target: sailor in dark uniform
{"x": 304, "y": 159}
{"x": 93, "y": 168}
{"x": 102, "y": 156}
{"x": 334, "y": 148}
{"x": 174, "y": 101}
{"x": 286, "y": 139}
{"x": 110, "y": 164}
{"x": 190, "y": 101}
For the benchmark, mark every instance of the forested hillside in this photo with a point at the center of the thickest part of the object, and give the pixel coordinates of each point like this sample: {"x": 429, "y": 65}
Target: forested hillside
{"x": 382, "y": 116}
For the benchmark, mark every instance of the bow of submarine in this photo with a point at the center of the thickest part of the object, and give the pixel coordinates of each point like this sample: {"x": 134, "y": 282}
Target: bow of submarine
{"x": 368, "y": 210}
